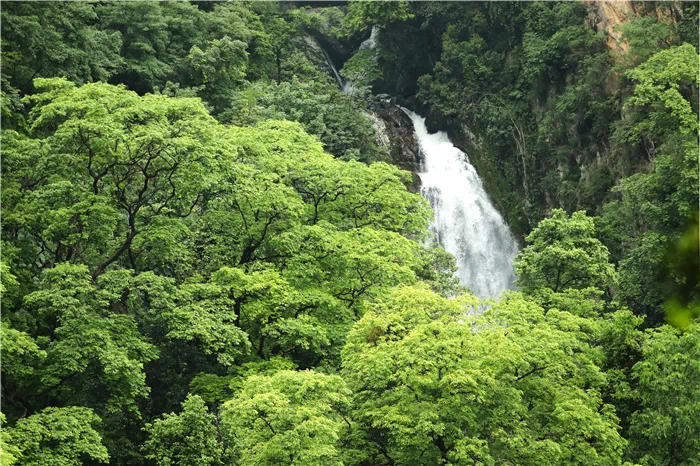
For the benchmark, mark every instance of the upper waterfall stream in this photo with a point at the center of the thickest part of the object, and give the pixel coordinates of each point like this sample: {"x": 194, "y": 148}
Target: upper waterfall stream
{"x": 465, "y": 222}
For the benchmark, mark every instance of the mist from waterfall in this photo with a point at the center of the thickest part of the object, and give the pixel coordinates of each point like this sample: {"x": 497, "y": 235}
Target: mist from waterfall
{"x": 466, "y": 223}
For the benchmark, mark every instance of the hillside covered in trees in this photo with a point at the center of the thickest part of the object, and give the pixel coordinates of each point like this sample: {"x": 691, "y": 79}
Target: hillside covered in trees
{"x": 210, "y": 255}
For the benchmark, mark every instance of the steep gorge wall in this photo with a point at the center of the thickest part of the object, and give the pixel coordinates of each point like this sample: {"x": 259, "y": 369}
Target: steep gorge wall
{"x": 608, "y": 16}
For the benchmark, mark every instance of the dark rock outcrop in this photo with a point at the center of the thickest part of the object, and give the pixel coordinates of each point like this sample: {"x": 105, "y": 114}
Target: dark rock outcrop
{"x": 395, "y": 132}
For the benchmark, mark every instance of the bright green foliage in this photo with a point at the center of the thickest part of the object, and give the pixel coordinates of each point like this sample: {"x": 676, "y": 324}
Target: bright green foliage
{"x": 153, "y": 244}
{"x": 87, "y": 347}
{"x": 203, "y": 317}
{"x": 562, "y": 253}
{"x": 113, "y": 162}
{"x": 215, "y": 389}
{"x": 11, "y": 106}
{"x": 178, "y": 47}
{"x": 8, "y": 282}
{"x": 666, "y": 429}
{"x": 183, "y": 49}
{"x": 59, "y": 437}
{"x": 78, "y": 353}
{"x": 514, "y": 385}
{"x": 290, "y": 418}
{"x": 189, "y": 437}
{"x": 8, "y": 451}
{"x": 586, "y": 302}
{"x": 657, "y": 87}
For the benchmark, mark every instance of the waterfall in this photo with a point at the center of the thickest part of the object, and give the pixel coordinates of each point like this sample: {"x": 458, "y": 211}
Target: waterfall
{"x": 466, "y": 223}
{"x": 331, "y": 66}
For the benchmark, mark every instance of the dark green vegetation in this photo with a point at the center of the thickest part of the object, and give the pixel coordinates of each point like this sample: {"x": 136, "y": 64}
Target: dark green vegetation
{"x": 205, "y": 260}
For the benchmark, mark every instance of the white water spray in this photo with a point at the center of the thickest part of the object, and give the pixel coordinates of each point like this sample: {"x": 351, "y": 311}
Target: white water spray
{"x": 466, "y": 222}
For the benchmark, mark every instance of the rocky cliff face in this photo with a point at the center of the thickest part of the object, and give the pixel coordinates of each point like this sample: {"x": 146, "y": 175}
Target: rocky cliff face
{"x": 398, "y": 136}
{"x": 607, "y": 17}
{"x": 395, "y": 133}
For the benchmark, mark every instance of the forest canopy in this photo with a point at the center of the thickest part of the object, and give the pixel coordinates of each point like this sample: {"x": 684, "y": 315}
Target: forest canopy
{"x": 210, "y": 257}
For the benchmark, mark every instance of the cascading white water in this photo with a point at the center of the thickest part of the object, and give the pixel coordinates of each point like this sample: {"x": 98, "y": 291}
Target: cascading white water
{"x": 466, "y": 223}
{"x": 371, "y": 41}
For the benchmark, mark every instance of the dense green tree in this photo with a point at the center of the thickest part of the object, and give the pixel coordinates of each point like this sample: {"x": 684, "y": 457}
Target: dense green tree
{"x": 177, "y": 48}
{"x": 81, "y": 354}
{"x": 288, "y": 418}
{"x": 206, "y": 262}
{"x": 563, "y": 253}
{"x": 59, "y": 436}
{"x": 130, "y": 283}
{"x": 189, "y": 437}
{"x": 645, "y": 36}
{"x": 362, "y": 16}
{"x": 660, "y": 85}
{"x": 282, "y": 29}
{"x": 621, "y": 341}
{"x": 666, "y": 428}
{"x": 84, "y": 347}
{"x": 156, "y": 38}
{"x": 321, "y": 108}
{"x": 515, "y": 385}
{"x": 220, "y": 68}
{"x": 21, "y": 359}
{"x": 121, "y": 167}
{"x": 8, "y": 451}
